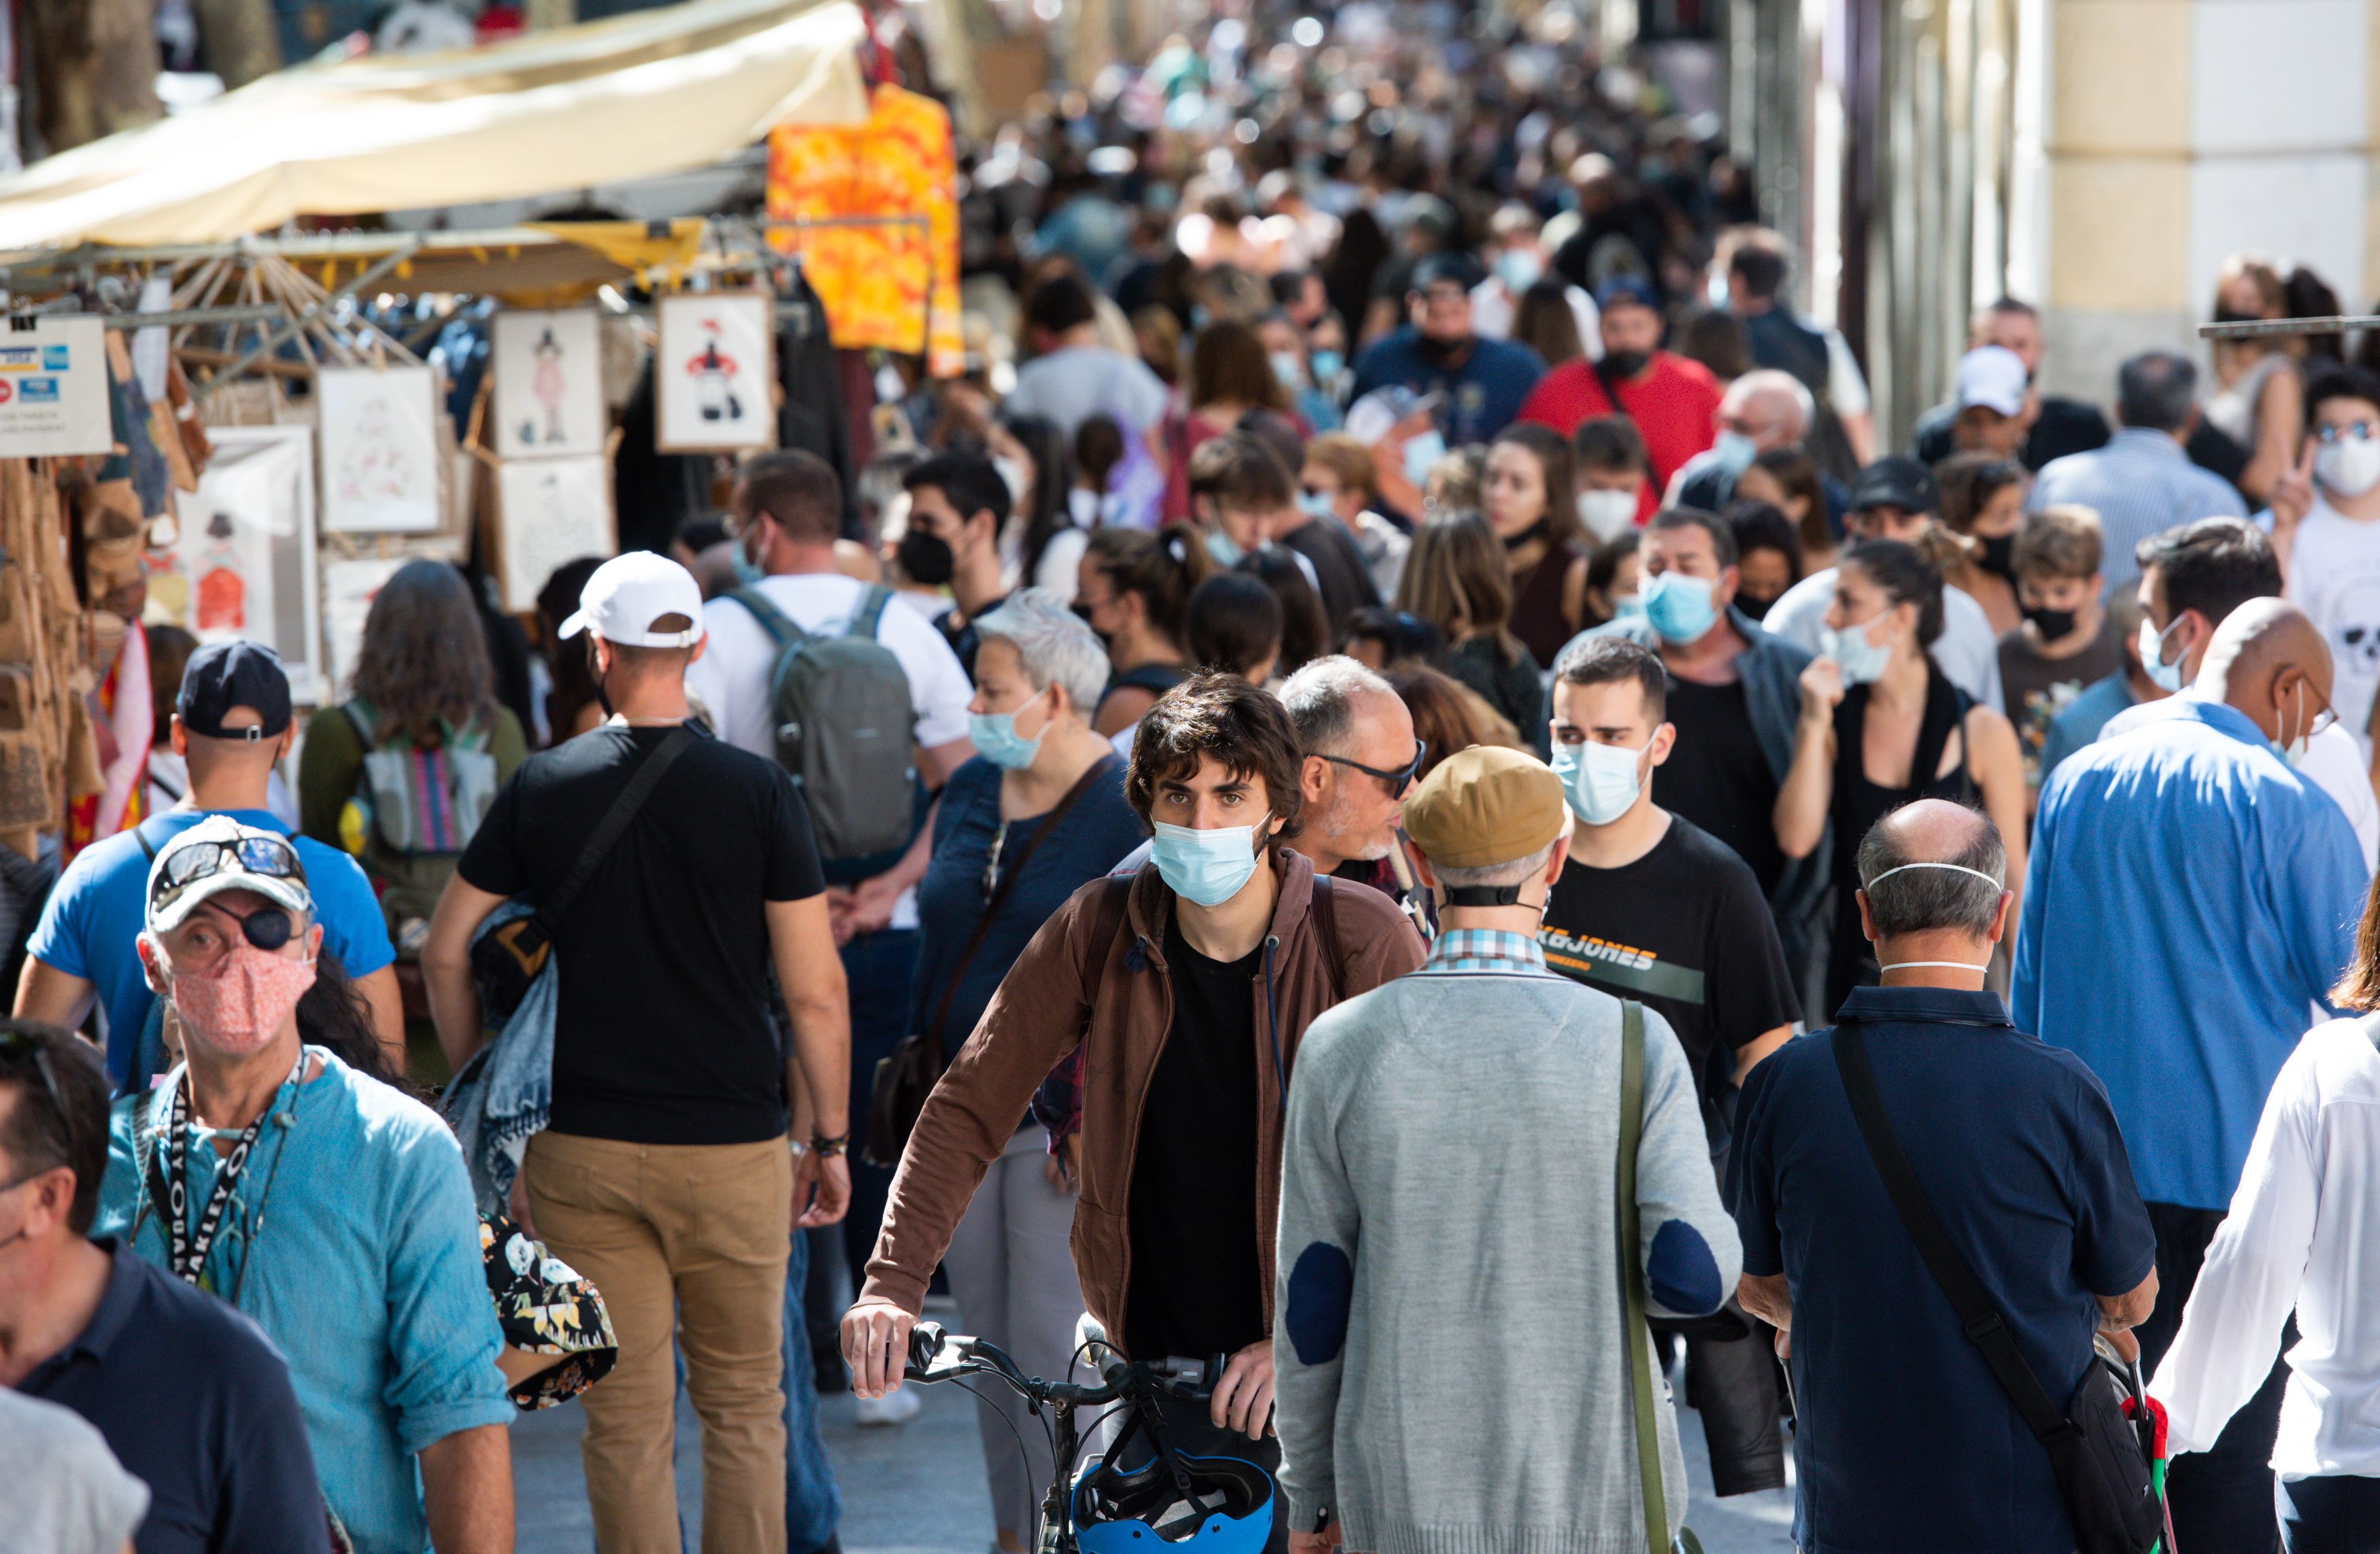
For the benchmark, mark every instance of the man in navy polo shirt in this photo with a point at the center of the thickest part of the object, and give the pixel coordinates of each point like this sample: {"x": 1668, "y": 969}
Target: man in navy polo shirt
{"x": 191, "y": 1398}
{"x": 232, "y": 720}
{"x": 1906, "y": 1439}
{"x": 1438, "y": 352}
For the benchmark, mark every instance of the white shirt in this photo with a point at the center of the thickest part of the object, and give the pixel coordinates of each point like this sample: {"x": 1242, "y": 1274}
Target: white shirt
{"x": 2335, "y": 763}
{"x": 730, "y": 682}
{"x": 2303, "y": 1231}
{"x": 1075, "y": 383}
{"x": 2335, "y": 578}
{"x": 1967, "y": 649}
{"x": 1492, "y": 307}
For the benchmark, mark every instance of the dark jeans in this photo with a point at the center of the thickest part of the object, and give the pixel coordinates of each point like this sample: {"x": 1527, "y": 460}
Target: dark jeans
{"x": 2221, "y": 1498}
{"x": 1732, "y": 1382}
{"x": 2333, "y": 1515}
{"x": 879, "y": 969}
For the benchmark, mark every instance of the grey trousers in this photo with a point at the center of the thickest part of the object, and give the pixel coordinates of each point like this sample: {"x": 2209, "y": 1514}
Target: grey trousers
{"x": 1014, "y": 1277}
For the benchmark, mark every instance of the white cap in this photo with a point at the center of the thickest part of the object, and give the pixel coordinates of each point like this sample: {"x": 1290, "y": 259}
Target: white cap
{"x": 628, "y": 593}
{"x": 1994, "y": 376}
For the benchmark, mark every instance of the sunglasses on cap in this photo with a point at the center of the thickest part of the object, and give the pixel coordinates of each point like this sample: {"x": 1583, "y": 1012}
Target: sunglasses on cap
{"x": 1397, "y": 782}
{"x": 270, "y": 857}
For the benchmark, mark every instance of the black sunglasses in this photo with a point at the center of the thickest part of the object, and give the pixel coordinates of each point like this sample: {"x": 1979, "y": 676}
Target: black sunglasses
{"x": 1397, "y": 782}
{"x": 15, "y": 1047}
{"x": 269, "y": 856}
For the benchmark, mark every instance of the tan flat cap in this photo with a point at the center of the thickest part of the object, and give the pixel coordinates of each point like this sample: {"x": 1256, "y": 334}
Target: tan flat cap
{"x": 1486, "y": 806}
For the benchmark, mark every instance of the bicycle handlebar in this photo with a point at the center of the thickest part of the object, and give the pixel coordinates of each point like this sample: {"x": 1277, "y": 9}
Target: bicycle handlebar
{"x": 1119, "y": 1378}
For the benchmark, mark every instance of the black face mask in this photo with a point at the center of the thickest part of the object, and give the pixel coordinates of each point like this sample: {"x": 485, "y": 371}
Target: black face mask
{"x": 1755, "y": 608}
{"x": 1441, "y": 352}
{"x": 1624, "y": 365}
{"x": 1998, "y": 555}
{"x": 2233, "y": 315}
{"x": 925, "y": 558}
{"x": 2051, "y": 623}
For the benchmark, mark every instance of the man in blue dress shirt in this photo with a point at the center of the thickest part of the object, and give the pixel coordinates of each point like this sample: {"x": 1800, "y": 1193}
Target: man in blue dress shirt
{"x": 2190, "y": 895}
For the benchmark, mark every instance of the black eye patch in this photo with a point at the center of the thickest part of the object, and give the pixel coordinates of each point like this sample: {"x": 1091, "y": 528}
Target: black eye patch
{"x": 267, "y": 929}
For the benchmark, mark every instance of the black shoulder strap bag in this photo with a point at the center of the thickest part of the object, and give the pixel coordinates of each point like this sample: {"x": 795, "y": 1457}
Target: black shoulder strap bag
{"x": 2101, "y": 1462}
{"x": 505, "y": 960}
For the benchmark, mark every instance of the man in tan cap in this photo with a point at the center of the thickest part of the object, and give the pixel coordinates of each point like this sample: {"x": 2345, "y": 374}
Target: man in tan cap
{"x": 1449, "y": 1198}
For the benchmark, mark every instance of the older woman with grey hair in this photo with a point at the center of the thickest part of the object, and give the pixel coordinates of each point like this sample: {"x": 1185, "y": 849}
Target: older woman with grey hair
{"x": 1038, "y": 813}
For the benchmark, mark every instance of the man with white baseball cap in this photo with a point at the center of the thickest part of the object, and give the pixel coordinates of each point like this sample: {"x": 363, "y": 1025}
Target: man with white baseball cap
{"x": 1995, "y": 402}
{"x": 670, "y": 872}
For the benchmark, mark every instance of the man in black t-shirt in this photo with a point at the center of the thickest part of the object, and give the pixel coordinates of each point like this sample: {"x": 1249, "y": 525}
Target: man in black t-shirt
{"x": 664, "y": 1174}
{"x": 1654, "y": 908}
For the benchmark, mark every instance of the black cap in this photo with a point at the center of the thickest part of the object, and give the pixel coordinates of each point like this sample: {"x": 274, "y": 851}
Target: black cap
{"x": 222, "y": 675}
{"x": 1896, "y": 481}
{"x": 1454, "y": 269}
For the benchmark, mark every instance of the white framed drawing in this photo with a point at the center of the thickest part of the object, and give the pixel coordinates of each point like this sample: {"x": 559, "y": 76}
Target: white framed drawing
{"x": 53, "y": 388}
{"x": 713, "y": 372}
{"x": 379, "y": 448}
{"x": 549, "y": 371}
{"x": 242, "y": 562}
{"x": 549, "y": 510}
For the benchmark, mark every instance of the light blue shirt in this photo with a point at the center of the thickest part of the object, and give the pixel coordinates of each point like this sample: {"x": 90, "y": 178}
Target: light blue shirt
{"x": 2188, "y": 895}
{"x": 1486, "y": 950}
{"x": 2141, "y": 483}
{"x": 352, "y": 1241}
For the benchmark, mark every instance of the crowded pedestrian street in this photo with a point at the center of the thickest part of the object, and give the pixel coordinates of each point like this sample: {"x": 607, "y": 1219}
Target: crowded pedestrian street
{"x": 1189, "y": 777}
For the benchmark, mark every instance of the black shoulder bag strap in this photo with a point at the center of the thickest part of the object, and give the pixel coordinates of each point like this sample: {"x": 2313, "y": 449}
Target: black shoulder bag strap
{"x": 615, "y": 820}
{"x": 1977, "y": 1314}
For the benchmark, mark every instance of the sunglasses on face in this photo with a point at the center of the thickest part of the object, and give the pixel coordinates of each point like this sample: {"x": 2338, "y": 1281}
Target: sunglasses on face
{"x": 1397, "y": 782}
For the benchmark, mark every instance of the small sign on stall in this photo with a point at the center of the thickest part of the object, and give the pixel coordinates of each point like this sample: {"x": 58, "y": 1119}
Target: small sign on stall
{"x": 54, "y": 387}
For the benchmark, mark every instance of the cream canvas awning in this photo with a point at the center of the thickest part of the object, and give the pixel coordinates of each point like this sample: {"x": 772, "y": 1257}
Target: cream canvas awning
{"x": 652, "y": 91}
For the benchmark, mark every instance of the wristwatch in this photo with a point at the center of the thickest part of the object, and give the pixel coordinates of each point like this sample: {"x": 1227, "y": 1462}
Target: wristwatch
{"x": 828, "y": 1149}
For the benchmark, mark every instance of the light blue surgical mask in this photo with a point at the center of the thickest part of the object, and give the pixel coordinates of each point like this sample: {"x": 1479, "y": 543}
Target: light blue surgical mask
{"x": 1314, "y": 505}
{"x": 1600, "y": 781}
{"x": 1288, "y": 368}
{"x": 1206, "y": 867}
{"x": 1733, "y": 452}
{"x": 747, "y": 571}
{"x": 2167, "y": 677}
{"x": 1715, "y": 288}
{"x": 1519, "y": 269}
{"x": 1326, "y": 366}
{"x": 1422, "y": 450}
{"x": 1679, "y": 607}
{"x": 997, "y": 741}
{"x": 1223, "y": 549}
{"x": 1626, "y": 604}
{"x": 1861, "y": 661}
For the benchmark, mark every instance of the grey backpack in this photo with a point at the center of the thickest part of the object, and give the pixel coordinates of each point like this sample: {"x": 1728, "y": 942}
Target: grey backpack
{"x": 845, "y": 726}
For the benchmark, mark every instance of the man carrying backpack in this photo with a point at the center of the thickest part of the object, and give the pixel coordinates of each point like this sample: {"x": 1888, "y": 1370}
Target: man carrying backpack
{"x": 807, "y": 636}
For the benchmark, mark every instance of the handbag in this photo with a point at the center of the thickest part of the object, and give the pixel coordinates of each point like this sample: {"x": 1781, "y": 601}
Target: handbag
{"x": 908, "y": 1075}
{"x": 1632, "y": 1284}
{"x": 2100, "y": 1457}
{"x": 505, "y": 960}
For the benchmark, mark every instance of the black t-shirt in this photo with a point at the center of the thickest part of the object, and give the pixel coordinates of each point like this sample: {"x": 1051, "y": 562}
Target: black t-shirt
{"x": 1197, "y": 1286}
{"x": 1684, "y": 929}
{"x": 1719, "y": 778}
{"x": 1346, "y": 584}
{"x": 663, "y": 1035}
{"x": 966, "y": 640}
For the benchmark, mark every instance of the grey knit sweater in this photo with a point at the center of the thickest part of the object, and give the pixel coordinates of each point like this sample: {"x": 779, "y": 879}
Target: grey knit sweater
{"x": 1449, "y": 1348}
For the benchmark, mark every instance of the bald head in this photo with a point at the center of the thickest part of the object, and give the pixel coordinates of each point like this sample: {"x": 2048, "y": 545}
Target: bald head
{"x": 1934, "y": 867}
{"x": 1769, "y": 407}
{"x": 2269, "y": 662}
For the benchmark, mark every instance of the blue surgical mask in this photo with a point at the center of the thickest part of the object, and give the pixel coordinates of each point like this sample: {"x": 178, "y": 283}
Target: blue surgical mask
{"x": 1626, "y": 604}
{"x": 2167, "y": 677}
{"x": 1679, "y": 607}
{"x": 1314, "y": 505}
{"x": 1326, "y": 366}
{"x": 1734, "y": 452}
{"x": 1288, "y": 368}
{"x": 747, "y": 571}
{"x": 1715, "y": 288}
{"x": 1599, "y": 779}
{"x": 1861, "y": 661}
{"x": 997, "y": 741}
{"x": 1423, "y": 449}
{"x": 1519, "y": 269}
{"x": 1206, "y": 867}
{"x": 1221, "y": 546}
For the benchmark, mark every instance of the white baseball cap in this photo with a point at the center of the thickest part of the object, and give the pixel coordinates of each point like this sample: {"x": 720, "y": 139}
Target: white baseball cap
{"x": 628, "y": 593}
{"x": 1994, "y": 376}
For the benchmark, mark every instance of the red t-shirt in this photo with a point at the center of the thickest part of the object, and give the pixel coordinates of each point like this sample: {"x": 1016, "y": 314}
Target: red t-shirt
{"x": 1674, "y": 406}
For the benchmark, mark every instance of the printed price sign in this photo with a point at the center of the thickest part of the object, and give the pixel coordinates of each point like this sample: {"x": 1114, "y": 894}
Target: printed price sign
{"x": 53, "y": 388}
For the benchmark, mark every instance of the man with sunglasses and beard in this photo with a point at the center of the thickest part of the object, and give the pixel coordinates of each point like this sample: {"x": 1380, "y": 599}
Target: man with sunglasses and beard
{"x": 1358, "y": 758}
{"x": 329, "y": 1208}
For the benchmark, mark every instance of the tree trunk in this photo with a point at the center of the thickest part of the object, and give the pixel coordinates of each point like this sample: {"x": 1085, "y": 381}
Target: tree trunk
{"x": 98, "y": 68}
{"x": 237, "y": 39}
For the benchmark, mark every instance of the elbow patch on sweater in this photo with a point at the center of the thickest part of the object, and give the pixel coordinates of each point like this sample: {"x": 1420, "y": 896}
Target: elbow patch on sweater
{"x": 1680, "y": 1271}
{"x": 1321, "y": 1290}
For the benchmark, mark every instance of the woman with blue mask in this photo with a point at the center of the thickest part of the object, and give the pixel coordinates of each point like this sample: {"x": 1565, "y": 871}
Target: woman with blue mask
{"x": 1881, "y": 726}
{"x": 1038, "y": 813}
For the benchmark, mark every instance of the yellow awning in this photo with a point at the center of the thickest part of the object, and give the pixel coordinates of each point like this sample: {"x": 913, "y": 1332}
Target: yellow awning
{"x": 653, "y": 91}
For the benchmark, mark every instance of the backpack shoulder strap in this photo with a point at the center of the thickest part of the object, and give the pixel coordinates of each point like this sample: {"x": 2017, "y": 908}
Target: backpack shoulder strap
{"x": 1632, "y": 1278}
{"x": 1982, "y": 1320}
{"x": 142, "y": 837}
{"x": 865, "y": 619}
{"x": 360, "y": 716}
{"x": 782, "y": 628}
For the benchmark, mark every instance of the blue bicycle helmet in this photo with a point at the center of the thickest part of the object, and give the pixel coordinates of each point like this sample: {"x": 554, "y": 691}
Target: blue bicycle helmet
{"x": 1142, "y": 1510}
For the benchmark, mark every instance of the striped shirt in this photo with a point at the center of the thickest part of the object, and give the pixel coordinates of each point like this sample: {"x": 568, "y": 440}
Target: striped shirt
{"x": 2140, "y": 484}
{"x": 1486, "y": 950}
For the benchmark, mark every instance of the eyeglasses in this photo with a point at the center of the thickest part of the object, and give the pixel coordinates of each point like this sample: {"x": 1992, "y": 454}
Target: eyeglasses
{"x": 2360, "y": 431}
{"x": 1397, "y": 782}
{"x": 268, "y": 857}
{"x": 16, "y": 1045}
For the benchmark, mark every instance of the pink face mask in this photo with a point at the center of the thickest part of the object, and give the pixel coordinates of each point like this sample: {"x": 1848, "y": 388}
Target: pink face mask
{"x": 238, "y": 1004}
